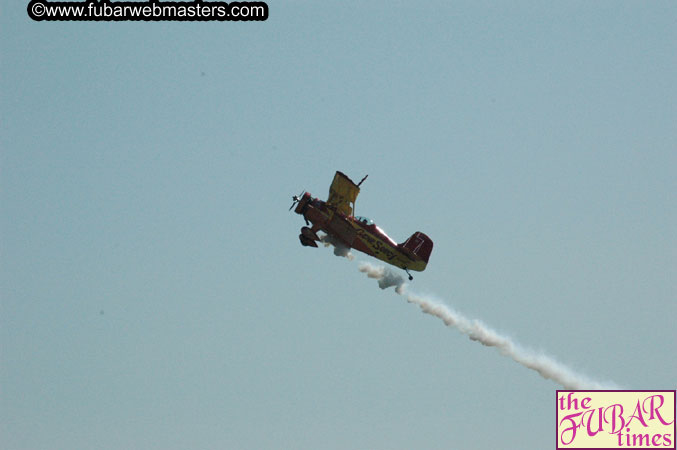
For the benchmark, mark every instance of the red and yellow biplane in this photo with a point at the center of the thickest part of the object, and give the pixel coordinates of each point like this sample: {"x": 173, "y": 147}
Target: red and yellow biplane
{"x": 335, "y": 218}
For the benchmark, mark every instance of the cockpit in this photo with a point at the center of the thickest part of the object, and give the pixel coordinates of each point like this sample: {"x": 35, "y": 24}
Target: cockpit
{"x": 364, "y": 220}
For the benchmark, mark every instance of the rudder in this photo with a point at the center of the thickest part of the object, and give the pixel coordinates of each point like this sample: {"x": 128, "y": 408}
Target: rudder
{"x": 420, "y": 245}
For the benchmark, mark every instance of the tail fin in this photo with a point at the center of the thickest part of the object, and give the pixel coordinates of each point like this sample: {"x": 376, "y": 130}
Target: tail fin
{"x": 420, "y": 245}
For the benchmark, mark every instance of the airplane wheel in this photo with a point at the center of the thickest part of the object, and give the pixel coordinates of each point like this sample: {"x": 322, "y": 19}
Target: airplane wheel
{"x": 310, "y": 234}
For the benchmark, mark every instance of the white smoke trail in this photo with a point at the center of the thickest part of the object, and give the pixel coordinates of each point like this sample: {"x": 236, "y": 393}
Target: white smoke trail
{"x": 546, "y": 366}
{"x": 340, "y": 249}
{"x": 386, "y": 278}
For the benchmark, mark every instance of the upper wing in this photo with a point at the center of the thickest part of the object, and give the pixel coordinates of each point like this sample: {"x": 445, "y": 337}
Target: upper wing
{"x": 342, "y": 193}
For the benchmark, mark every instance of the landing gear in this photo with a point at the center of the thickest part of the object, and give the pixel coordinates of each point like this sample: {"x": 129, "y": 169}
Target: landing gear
{"x": 410, "y": 277}
{"x": 307, "y": 242}
{"x": 310, "y": 234}
{"x": 308, "y": 237}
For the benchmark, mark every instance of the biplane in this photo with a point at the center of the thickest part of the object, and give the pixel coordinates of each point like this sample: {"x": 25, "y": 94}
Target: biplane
{"x": 336, "y": 218}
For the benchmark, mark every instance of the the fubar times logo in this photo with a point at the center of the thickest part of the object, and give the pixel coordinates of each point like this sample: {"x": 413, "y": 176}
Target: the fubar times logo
{"x": 615, "y": 419}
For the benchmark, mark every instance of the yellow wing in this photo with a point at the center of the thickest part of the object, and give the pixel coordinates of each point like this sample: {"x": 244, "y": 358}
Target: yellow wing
{"x": 342, "y": 193}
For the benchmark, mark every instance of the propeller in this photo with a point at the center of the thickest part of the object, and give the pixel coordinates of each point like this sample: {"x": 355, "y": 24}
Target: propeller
{"x": 296, "y": 199}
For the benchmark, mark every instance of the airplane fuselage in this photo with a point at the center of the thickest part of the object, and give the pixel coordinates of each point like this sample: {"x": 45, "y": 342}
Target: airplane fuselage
{"x": 357, "y": 233}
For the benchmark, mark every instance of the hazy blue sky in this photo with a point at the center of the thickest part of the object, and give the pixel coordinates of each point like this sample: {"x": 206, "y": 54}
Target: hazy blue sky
{"x": 154, "y": 291}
